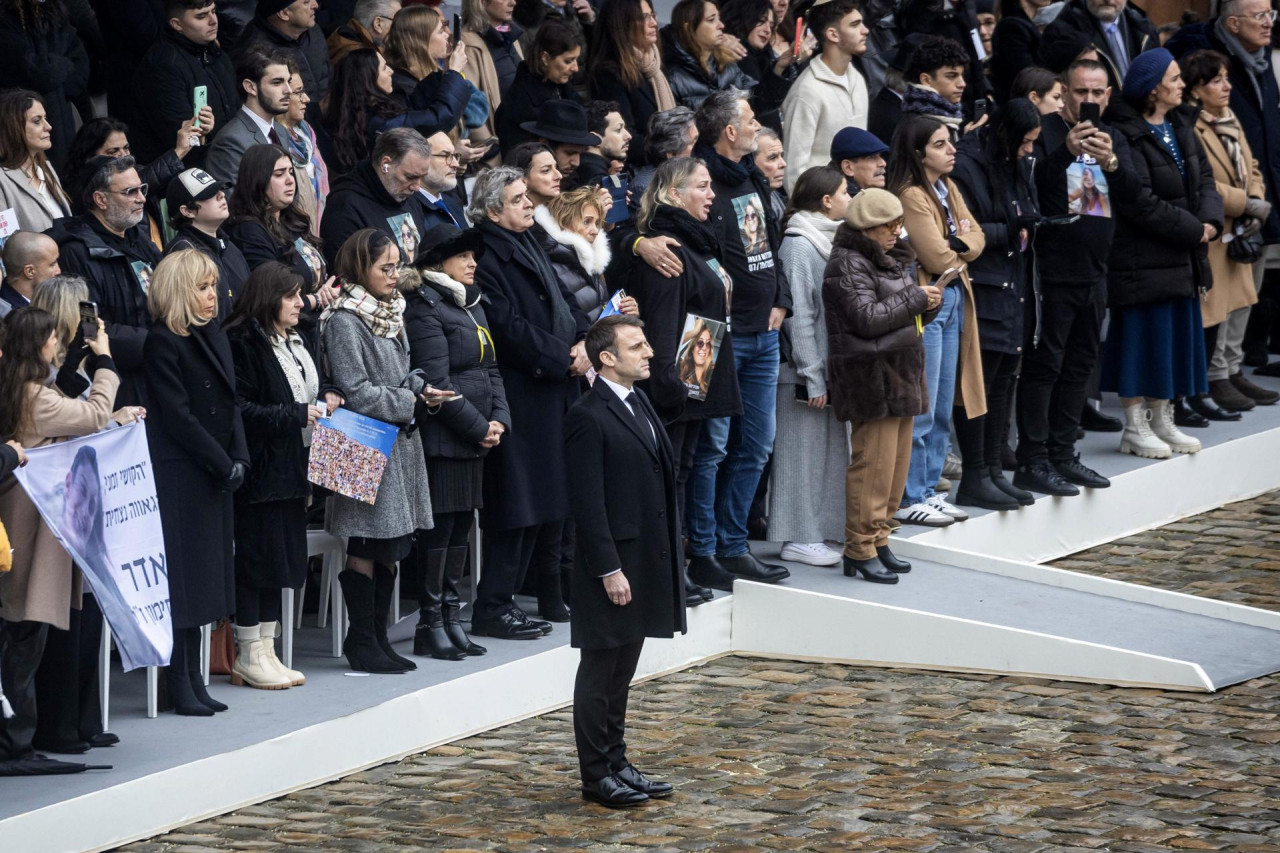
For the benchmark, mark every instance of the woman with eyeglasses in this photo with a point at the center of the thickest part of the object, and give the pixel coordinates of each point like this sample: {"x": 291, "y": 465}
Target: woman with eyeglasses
{"x": 28, "y": 183}
{"x": 365, "y": 352}
{"x": 310, "y": 169}
{"x": 449, "y": 342}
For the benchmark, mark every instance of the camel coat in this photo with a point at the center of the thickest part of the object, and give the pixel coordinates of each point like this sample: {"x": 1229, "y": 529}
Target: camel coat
{"x": 1232, "y": 282}
{"x": 44, "y": 585}
{"x": 925, "y": 226}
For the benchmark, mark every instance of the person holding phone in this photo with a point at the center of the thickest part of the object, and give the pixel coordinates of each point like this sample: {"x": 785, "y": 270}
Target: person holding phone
{"x": 365, "y": 351}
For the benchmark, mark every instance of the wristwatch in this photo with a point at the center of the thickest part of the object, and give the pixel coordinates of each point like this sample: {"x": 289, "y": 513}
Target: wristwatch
{"x": 1112, "y": 164}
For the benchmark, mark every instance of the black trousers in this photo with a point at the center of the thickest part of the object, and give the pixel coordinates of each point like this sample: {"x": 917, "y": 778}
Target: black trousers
{"x": 508, "y": 555}
{"x": 1055, "y": 373}
{"x": 21, "y": 647}
{"x": 600, "y": 708}
{"x": 982, "y": 438}
{"x": 684, "y": 442}
{"x": 67, "y": 691}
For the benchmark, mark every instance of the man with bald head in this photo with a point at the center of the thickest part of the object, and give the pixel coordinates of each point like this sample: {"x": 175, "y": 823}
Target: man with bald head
{"x": 29, "y": 258}
{"x": 439, "y": 185}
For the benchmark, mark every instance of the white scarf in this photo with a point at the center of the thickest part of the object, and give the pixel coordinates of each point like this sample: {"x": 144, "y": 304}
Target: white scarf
{"x": 593, "y": 257}
{"x": 455, "y": 288}
{"x": 814, "y": 227}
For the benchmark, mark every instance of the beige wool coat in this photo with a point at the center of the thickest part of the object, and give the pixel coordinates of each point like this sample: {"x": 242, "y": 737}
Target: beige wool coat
{"x": 44, "y": 585}
{"x": 925, "y": 226}
{"x": 1232, "y": 282}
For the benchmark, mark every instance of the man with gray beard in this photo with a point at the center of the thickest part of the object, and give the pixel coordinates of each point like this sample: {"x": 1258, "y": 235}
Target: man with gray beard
{"x": 110, "y": 247}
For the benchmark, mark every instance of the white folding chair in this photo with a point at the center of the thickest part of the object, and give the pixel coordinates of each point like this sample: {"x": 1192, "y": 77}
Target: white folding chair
{"x": 104, "y": 682}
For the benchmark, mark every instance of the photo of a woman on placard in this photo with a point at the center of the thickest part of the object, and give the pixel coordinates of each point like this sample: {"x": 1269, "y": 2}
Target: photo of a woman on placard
{"x": 1087, "y": 191}
{"x": 407, "y": 236}
{"x": 755, "y": 238}
{"x": 697, "y": 359}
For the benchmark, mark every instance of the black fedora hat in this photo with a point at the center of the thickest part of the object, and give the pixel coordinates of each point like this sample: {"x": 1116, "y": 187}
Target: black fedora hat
{"x": 563, "y": 121}
{"x": 444, "y": 241}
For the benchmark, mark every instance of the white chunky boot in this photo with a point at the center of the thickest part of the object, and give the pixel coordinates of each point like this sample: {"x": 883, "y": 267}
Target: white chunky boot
{"x": 1138, "y": 438}
{"x": 252, "y": 666}
{"x": 269, "y": 632}
{"x": 1163, "y": 425}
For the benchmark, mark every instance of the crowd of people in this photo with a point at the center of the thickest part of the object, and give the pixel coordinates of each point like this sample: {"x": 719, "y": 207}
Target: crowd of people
{"x": 847, "y": 241}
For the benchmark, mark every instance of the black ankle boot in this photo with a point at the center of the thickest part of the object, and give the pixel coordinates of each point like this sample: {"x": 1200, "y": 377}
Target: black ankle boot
{"x": 361, "y": 646}
{"x": 890, "y": 561}
{"x": 976, "y": 489}
{"x": 430, "y": 638}
{"x": 871, "y": 569}
{"x": 451, "y": 602}
{"x": 1001, "y": 482}
{"x": 384, "y": 587}
{"x": 181, "y": 695}
{"x": 195, "y": 671}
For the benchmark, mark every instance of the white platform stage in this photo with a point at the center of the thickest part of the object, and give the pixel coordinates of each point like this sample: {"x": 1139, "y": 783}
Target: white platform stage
{"x": 975, "y": 602}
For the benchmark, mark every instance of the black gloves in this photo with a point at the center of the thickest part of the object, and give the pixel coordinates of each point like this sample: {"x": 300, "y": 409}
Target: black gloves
{"x": 236, "y": 478}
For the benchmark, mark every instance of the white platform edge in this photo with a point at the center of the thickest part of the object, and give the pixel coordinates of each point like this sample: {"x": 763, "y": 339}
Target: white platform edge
{"x": 143, "y": 807}
{"x": 773, "y": 621}
{"x": 1068, "y": 579}
{"x": 1235, "y": 470}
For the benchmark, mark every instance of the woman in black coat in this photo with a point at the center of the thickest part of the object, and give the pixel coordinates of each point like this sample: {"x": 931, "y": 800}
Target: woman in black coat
{"x": 995, "y": 177}
{"x": 1159, "y": 260}
{"x": 676, "y": 204}
{"x": 543, "y": 77}
{"x": 449, "y": 341}
{"x": 39, "y": 50}
{"x": 277, "y": 386}
{"x": 626, "y": 68}
{"x": 198, "y": 456}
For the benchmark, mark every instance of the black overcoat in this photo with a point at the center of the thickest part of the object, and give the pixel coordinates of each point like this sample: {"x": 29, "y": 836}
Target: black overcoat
{"x": 524, "y": 483}
{"x": 623, "y": 490}
{"x": 195, "y": 434}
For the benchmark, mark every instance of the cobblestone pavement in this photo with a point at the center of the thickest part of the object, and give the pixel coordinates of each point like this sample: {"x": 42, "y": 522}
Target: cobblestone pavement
{"x": 771, "y": 755}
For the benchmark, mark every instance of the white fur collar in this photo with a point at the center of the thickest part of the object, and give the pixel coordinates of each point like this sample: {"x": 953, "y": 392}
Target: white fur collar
{"x": 593, "y": 257}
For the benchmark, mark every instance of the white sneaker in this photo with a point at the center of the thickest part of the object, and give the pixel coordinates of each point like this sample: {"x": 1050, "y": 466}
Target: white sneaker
{"x": 1166, "y": 429}
{"x": 923, "y": 514}
{"x": 939, "y": 503}
{"x": 811, "y": 553}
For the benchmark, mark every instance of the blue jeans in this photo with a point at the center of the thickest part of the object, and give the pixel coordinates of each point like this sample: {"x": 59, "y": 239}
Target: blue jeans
{"x": 717, "y": 524}
{"x": 931, "y": 432}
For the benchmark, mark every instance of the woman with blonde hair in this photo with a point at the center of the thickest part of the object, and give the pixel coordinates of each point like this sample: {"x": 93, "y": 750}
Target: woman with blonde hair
{"x": 578, "y": 246}
{"x": 198, "y": 457}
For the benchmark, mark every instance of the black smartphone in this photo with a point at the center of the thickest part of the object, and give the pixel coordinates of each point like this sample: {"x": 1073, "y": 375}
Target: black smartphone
{"x": 802, "y": 393}
{"x": 980, "y": 108}
{"x": 89, "y": 320}
{"x": 457, "y": 29}
{"x": 1091, "y": 113}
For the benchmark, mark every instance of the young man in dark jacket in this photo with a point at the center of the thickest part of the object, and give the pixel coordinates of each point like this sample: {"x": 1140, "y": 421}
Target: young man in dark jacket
{"x": 741, "y": 217}
{"x": 197, "y": 209}
{"x": 381, "y": 193}
{"x": 186, "y": 56}
{"x": 110, "y": 247}
{"x": 1064, "y": 338}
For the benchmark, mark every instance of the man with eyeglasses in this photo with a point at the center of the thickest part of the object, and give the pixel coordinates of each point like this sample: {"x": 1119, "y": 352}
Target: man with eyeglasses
{"x": 368, "y": 27}
{"x": 1242, "y": 33}
{"x": 382, "y": 192}
{"x": 439, "y": 184}
{"x": 1117, "y": 28}
{"x": 110, "y": 247}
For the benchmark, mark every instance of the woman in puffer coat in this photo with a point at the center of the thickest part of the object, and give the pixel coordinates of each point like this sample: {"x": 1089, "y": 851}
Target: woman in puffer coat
{"x": 697, "y": 56}
{"x": 574, "y": 239}
{"x": 875, "y": 311}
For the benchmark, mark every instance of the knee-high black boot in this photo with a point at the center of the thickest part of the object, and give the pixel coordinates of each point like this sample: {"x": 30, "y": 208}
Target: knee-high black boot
{"x": 384, "y": 587}
{"x": 361, "y": 647}
{"x": 430, "y": 638}
{"x": 451, "y": 602}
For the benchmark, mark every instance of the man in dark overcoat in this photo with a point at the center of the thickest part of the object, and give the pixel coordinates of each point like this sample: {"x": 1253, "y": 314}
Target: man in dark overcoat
{"x": 627, "y": 582}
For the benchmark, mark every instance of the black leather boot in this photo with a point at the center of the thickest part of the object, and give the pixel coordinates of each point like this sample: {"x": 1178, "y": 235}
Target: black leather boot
{"x": 1094, "y": 420}
{"x": 429, "y": 638}
{"x": 361, "y": 647}
{"x": 451, "y": 602}
{"x": 551, "y": 604}
{"x": 707, "y": 571}
{"x": 976, "y": 489}
{"x": 869, "y": 569}
{"x": 890, "y": 561}
{"x": 1185, "y": 416}
{"x": 1001, "y": 482}
{"x": 196, "y": 674}
{"x": 384, "y": 587}
{"x": 181, "y": 694}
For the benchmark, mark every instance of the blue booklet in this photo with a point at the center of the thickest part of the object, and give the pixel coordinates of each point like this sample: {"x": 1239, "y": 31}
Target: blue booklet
{"x": 349, "y": 452}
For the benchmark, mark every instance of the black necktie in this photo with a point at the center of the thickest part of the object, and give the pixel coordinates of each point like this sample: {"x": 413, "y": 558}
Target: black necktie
{"x": 273, "y": 136}
{"x": 632, "y": 402}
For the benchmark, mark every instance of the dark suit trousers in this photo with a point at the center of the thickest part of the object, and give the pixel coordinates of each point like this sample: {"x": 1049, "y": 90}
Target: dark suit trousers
{"x": 67, "y": 680}
{"x": 1055, "y": 374}
{"x": 21, "y": 647}
{"x": 600, "y": 708}
{"x": 508, "y": 555}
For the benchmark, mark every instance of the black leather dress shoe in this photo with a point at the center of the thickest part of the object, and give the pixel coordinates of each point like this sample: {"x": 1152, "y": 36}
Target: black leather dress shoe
{"x": 541, "y": 624}
{"x": 1095, "y": 421}
{"x": 1209, "y": 408}
{"x": 707, "y": 571}
{"x": 635, "y": 779}
{"x": 1073, "y": 471}
{"x": 102, "y": 739}
{"x": 505, "y": 626}
{"x": 890, "y": 562}
{"x": 1042, "y": 477}
{"x": 748, "y": 567}
{"x": 613, "y": 793}
{"x": 869, "y": 569}
{"x": 1183, "y": 415}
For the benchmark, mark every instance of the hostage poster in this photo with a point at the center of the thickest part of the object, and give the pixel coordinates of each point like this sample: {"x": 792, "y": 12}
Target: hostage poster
{"x": 98, "y": 496}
